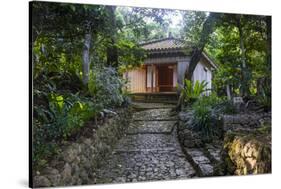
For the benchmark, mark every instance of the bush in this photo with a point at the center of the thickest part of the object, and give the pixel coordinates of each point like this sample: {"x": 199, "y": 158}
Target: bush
{"x": 192, "y": 91}
{"x": 264, "y": 97}
{"x": 59, "y": 114}
{"x": 106, "y": 86}
{"x": 68, "y": 114}
{"x": 65, "y": 115}
{"x": 206, "y": 115}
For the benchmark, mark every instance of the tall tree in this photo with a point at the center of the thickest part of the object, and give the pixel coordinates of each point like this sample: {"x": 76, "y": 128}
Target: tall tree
{"x": 86, "y": 57}
{"x": 268, "y": 34}
{"x": 208, "y": 28}
{"x": 240, "y": 50}
{"x": 244, "y": 67}
{"x": 112, "y": 51}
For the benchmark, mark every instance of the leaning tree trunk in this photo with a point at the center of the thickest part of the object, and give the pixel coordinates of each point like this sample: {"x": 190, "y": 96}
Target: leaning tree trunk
{"x": 208, "y": 28}
{"x": 244, "y": 67}
{"x": 86, "y": 57}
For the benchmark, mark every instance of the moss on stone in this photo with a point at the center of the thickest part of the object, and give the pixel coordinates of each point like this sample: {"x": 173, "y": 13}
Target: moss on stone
{"x": 248, "y": 155}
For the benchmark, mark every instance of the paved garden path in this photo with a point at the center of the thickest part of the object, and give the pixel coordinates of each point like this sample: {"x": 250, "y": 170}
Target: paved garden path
{"x": 149, "y": 150}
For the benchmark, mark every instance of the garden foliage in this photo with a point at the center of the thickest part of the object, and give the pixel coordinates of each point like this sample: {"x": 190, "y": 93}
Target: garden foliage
{"x": 207, "y": 111}
{"x": 192, "y": 91}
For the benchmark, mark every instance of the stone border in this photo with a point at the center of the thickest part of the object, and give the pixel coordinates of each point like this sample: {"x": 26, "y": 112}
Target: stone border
{"x": 77, "y": 161}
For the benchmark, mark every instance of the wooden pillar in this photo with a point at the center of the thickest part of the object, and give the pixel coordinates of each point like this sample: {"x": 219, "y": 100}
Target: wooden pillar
{"x": 145, "y": 78}
{"x": 156, "y": 80}
{"x": 152, "y": 66}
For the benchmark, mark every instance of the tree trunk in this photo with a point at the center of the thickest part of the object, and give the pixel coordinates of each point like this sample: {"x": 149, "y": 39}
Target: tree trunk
{"x": 86, "y": 58}
{"x": 244, "y": 68}
{"x": 208, "y": 28}
{"x": 228, "y": 92}
{"x": 268, "y": 82}
{"x": 268, "y": 34}
{"x": 260, "y": 83}
{"x": 112, "y": 51}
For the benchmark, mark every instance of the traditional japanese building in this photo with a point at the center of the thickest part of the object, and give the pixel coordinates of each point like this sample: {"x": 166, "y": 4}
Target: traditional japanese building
{"x": 165, "y": 67}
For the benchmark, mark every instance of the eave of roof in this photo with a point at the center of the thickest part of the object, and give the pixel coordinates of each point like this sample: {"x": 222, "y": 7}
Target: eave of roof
{"x": 209, "y": 60}
{"x": 164, "y": 44}
{"x": 181, "y": 47}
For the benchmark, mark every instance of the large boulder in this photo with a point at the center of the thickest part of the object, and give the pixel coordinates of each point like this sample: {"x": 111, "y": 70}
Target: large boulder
{"x": 41, "y": 181}
{"x": 249, "y": 154}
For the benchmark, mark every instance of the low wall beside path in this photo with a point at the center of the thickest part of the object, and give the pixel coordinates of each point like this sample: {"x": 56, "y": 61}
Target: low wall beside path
{"x": 75, "y": 163}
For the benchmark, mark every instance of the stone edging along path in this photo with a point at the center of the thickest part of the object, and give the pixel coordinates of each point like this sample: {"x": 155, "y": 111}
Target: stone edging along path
{"x": 77, "y": 160}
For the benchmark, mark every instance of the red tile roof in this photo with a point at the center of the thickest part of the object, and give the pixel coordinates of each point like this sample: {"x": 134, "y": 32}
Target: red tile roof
{"x": 172, "y": 44}
{"x": 163, "y": 44}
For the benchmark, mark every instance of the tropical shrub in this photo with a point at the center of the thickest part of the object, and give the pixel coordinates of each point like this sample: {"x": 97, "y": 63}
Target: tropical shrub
{"x": 206, "y": 115}
{"x": 191, "y": 91}
{"x": 264, "y": 99}
{"x": 63, "y": 117}
{"x": 106, "y": 86}
{"x": 59, "y": 113}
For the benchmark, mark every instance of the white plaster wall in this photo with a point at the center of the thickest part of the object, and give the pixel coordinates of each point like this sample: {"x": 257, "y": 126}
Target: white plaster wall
{"x": 201, "y": 73}
{"x": 182, "y": 66}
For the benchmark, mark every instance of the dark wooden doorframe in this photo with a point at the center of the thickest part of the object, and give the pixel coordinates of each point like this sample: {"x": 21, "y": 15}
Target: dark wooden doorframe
{"x": 165, "y": 78}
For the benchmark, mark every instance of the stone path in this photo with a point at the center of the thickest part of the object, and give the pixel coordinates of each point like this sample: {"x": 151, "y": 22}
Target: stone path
{"x": 149, "y": 151}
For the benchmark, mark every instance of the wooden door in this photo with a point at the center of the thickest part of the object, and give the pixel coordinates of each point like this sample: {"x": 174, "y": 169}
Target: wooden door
{"x": 165, "y": 78}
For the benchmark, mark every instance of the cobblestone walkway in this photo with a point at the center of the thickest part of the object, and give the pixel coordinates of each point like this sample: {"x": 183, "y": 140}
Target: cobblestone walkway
{"x": 149, "y": 151}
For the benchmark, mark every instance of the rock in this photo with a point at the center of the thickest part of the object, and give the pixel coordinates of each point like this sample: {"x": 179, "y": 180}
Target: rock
{"x": 87, "y": 141}
{"x": 248, "y": 155}
{"x": 84, "y": 176}
{"x": 142, "y": 178}
{"x": 41, "y": 181}
{"x": 171, "y": 164}
{"x": 66, "y": 173}
{"x": 85, "y": 162}
{"x": 75, "y": 169}
{"x": 190, "y": 139}
{"x": 180, "y": 172}
{"x": 251, "y": 162}
{"x": 55, "y": 179}
{"x": 69, "y": 154}
{"x": 120, "y": 179}
{"x": 185, "y": 116}
{"x": 206, "y": 169}
{"x": 132, "y": 176}
{"x": 50, "y": 171}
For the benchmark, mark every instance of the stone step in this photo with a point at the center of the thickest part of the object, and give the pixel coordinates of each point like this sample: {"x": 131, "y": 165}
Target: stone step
{"x": 154, "y": 115}
{"x": 146, "y": 106}
{"x": 167, "y": 101}
{"x": 141, "y": 142}
{"x": 199, "y": 161}
{"x": 155, "y": 97}
{"x": 151, "y": 127}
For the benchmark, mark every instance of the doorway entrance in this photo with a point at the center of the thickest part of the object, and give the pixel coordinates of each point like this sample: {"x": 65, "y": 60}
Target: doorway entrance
{"x": 165, "y": 78}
